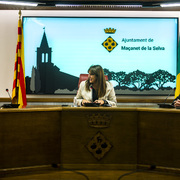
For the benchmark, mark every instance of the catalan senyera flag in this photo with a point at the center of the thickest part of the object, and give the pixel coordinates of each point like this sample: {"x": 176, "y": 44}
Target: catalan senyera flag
{"x": 19, "y": 85}
{"x": 177, "y": 92}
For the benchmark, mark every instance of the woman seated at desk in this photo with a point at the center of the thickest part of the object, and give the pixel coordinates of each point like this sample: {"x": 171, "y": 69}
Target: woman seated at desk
{"x": 96, "y": 89}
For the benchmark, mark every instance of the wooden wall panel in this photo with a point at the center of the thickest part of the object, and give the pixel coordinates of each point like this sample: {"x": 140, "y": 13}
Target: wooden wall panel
{"x": 29, "y": 139}
{"x": 159, "y": 139}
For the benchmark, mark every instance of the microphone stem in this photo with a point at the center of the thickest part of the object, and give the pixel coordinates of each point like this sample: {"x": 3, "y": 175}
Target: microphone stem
{"x": 9, "y": 96}
{"x": 168, "y": 96}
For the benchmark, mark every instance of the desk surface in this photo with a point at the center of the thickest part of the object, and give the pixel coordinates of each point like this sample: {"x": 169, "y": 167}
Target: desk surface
{"x": 69, "y": 108}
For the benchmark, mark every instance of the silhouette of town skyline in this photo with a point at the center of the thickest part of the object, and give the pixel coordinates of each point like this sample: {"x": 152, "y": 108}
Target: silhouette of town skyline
{"x": 46, "y": 77}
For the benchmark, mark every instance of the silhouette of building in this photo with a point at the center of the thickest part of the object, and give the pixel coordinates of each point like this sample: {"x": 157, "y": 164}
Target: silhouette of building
{"x": 49, "y": 75}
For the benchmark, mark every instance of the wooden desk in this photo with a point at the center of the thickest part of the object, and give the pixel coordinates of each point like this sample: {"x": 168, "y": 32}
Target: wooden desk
{"x": 90, "y": 138}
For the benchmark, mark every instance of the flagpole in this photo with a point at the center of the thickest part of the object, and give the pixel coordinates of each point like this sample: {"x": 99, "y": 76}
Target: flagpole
{"x": 19, "y": 14}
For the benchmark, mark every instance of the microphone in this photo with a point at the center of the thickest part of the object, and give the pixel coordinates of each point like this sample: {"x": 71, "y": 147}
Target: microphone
{"x": 9, "y": 105}
{"x": 164, "y": 105}
{"x": 7, "y": 90}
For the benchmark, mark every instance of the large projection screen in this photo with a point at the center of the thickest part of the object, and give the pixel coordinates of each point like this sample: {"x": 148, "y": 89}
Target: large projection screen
{"x": 139, "y": 54}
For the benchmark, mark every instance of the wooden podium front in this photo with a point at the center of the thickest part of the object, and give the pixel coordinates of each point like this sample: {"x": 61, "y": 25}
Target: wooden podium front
{"x": 99, "y": 138}
{"x": 89, "y": 137}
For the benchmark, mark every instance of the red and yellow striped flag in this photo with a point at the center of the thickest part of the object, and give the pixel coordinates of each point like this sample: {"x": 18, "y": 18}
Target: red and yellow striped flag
{"x": 19, "y": 85}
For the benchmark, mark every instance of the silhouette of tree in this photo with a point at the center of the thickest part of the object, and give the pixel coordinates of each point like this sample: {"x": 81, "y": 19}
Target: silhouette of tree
{"x": 32, "y": 82}
{"x": 110, "y": 74}
{"x": 120, "y": 78}
{"x": 149, "y": 81}
{"x": 136, "y": 78}
{"x": 140, "y": 80}
{"x": 161, "y": 77}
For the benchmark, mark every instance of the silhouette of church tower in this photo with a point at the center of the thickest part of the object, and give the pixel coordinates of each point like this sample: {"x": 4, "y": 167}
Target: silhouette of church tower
{"x": 44, "y": 66}
{"x": 43, "y": 52}
{"x": 51, "y": 78}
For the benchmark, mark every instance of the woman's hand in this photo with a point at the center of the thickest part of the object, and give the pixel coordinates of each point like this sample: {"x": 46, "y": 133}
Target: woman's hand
{"x": 100, "y": 101}
{"x": 85, "y": 101}
{"x": 177, "y": 103}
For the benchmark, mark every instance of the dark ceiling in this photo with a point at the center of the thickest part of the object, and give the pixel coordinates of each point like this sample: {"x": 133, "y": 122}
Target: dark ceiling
{"x": 153, "y": 5}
